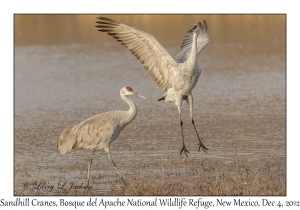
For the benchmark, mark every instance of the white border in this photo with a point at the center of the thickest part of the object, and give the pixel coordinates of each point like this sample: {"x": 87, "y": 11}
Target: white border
{"x": 153, "y": 6}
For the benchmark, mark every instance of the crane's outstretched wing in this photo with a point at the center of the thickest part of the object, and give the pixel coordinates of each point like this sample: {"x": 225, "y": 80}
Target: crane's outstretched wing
{"x": 202, "y": 41}
{"x": 159, "y": 64}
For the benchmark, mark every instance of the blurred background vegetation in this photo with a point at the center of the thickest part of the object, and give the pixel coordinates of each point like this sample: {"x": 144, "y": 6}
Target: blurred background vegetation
{"x": 67, "y": 29}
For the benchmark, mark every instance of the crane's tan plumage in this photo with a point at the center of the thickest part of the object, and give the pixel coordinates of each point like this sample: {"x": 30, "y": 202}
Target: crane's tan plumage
{"x": 65, "y": 142}
{"x": 175, "y": 77}
{"x": 99, "y": 131}
{"x": 92, "y": 133}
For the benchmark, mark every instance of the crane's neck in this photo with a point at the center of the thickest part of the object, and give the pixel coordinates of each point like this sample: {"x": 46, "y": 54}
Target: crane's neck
{"x": 131, "y": 113}
{"x": 193, "y": 55}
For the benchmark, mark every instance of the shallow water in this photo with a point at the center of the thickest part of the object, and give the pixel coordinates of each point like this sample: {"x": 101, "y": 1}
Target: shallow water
{"x": 239, "y": 101}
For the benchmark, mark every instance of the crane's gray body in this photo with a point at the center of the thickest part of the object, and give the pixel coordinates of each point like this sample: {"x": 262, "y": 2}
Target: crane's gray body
{"x": 96, "y": 132}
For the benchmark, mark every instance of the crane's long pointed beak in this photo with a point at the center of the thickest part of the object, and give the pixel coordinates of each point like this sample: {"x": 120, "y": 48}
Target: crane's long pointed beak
{"x": 141, "y": 96}
{"x": 137, "y": 94}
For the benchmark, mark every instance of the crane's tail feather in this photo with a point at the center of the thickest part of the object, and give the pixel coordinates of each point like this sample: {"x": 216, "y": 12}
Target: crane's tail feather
{"x": 67, "y": 141}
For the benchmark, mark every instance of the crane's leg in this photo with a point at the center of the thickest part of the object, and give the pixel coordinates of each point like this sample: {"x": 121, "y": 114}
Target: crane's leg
{"x": 114, "y": 165}
{"x": 89, "y": 165}
{"x": 190, "y": 100}
{"x": 181, "y": 125}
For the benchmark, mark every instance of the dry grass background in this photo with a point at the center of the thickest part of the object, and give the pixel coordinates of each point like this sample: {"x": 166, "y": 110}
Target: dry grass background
{"x": 180, "y": 177}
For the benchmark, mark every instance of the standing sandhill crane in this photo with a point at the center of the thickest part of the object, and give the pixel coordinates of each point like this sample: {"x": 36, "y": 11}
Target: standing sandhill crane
{"x": 99, "y": 131}
{"x": 175, "y": 77}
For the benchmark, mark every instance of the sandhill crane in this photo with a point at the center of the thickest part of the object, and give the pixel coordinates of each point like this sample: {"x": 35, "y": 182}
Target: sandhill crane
{"x": 99, "y": 131}
{"x": 175, "y": 77}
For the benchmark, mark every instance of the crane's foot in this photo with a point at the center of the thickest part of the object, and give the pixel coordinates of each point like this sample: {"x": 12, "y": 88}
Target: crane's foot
{"x": 184, "y": 150}
{"x": 88, "y": 182}
{"x": 123, "y": 181}
{"x": 202, "y": 145}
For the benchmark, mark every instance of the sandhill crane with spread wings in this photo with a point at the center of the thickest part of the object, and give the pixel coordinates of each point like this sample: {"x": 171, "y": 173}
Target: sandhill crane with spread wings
{"x": 99, "y": 131}
{"x": 175, "y": 77}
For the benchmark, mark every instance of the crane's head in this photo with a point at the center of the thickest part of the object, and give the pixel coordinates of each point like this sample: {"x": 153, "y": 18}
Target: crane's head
{"x": 128, "y": 91}
{"x": 195, "y": 28}
{"x": 203, "y": 28}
